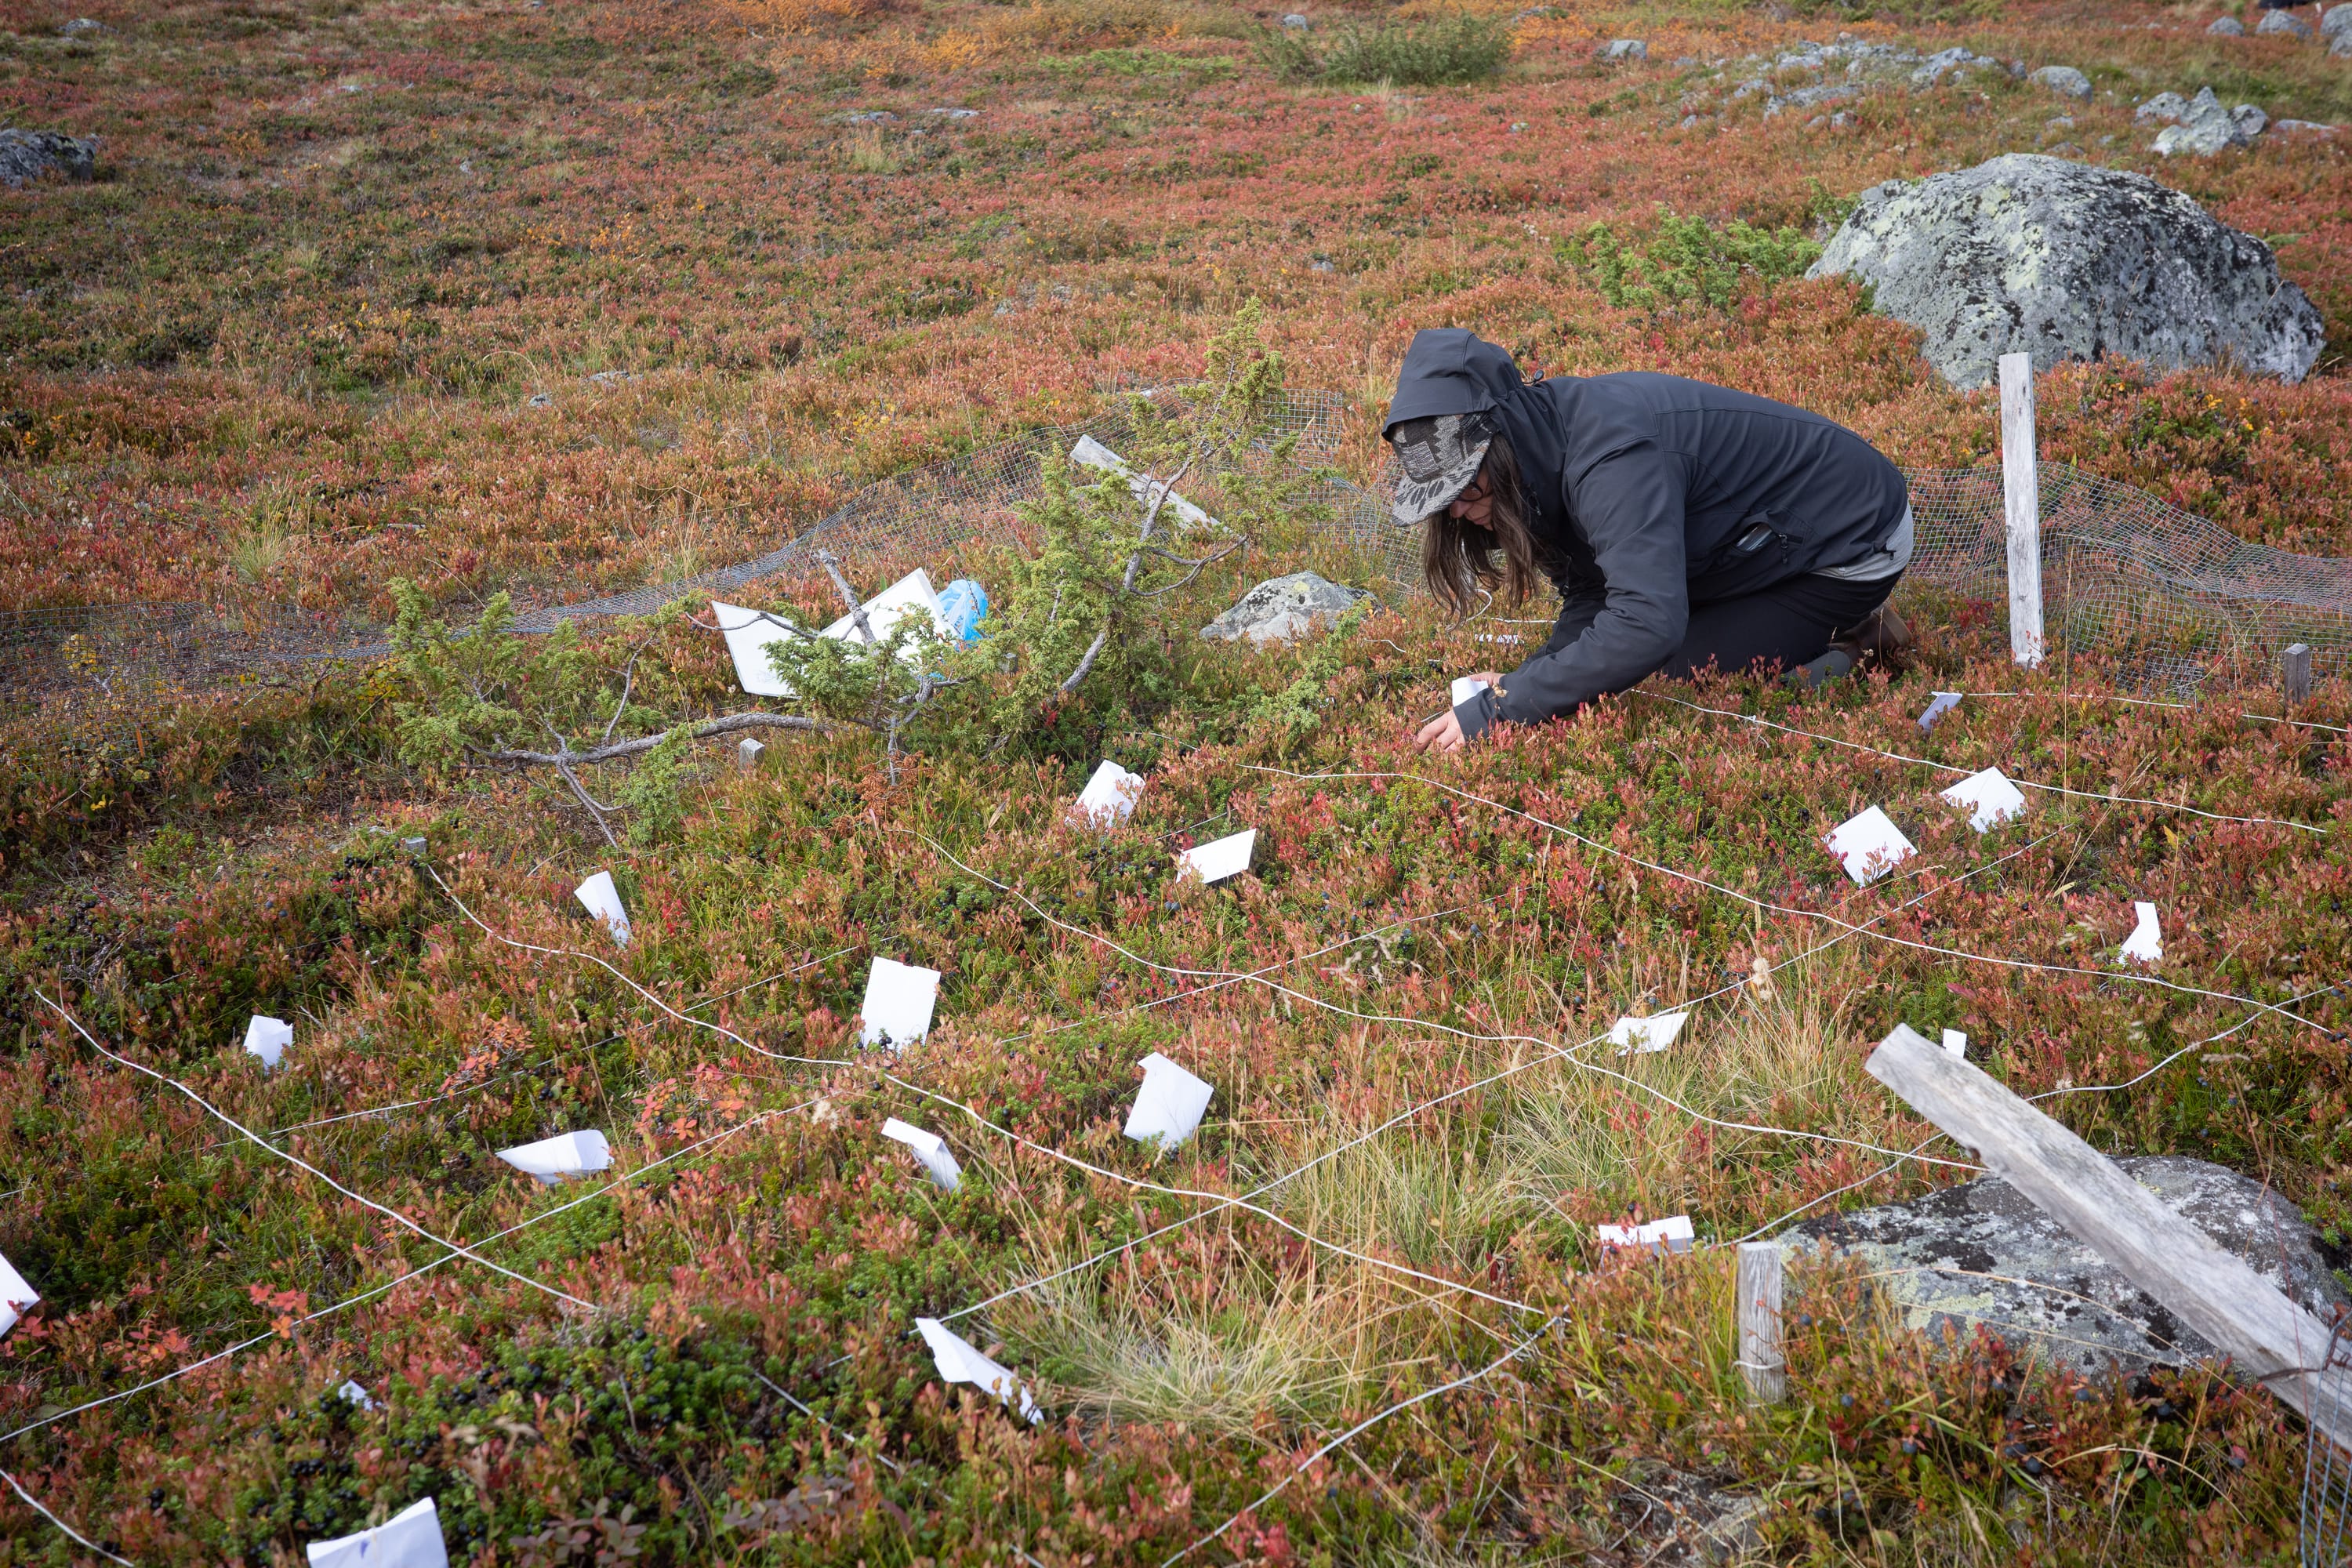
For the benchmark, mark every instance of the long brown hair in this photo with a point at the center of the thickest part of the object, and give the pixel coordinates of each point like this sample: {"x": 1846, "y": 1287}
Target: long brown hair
{"x": 1459, "y": 558}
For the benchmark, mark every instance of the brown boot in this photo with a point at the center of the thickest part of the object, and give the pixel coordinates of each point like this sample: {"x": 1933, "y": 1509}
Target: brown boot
{"x": 1882, "y": 638}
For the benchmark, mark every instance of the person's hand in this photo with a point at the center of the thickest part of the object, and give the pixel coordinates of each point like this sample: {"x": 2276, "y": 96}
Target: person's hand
{"x": 1441, "y": 734}
{"x": 1490, "y": 677}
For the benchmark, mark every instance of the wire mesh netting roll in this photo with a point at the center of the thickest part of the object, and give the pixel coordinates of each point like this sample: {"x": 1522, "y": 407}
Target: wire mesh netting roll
{"x": 2170, "y": 595}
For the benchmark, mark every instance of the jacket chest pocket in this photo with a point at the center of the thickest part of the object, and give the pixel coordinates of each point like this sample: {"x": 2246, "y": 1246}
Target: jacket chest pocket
{"x": 1766, "y": 535}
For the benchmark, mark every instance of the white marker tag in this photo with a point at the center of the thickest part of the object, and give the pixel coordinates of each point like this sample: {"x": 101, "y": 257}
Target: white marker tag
{"x": 1990, "y": 798}
{"x": 1642, "y": 1036}
{"x": 1169, "y": 1104}
{"x": 1869, "y": 845}
{"x": 930, "y": 1148}
{"x": 601, "y": 899}
{"x": 16, "y": 1295}
{"x": 1465, "y": 687}
{"x": 353, "y": 1395}
{"x": 1109, "y": 796}
{"x": 899, "y": 1002}
{"x": 1091, "y": 453}
{"x": 1944, "y": 703}
{"x": 267, "y": 1038}
{"x": 960, "y": 1361}
{"x": 886, "y": 609}
{"x": 2145, "y": 943}
{"x": 409, "y": 1539}
{"x": 1673, "y": 1234}
{"x": 1956, "y": 1044}
{"x": 749, "y": 634}
{"x": 1228, "y": 856}
{"x": 550, "y": 1160}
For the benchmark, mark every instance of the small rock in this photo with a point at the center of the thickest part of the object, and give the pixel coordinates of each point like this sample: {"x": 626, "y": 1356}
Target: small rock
{"x": 953, "y": 114}
{"x": 869, "y": 117}
{"x": 1517, "y": 126}
{"x": 1982, "y": 1254}
{"x": 1320, "y": 264}
{"x": 1688, "y": 122}
{"x": 2063, "y": 80}
{"x": 541, "y": 399}
{"x": 2250, "y": 120}
{"x": 1283, "y": 610}
{"x": 83, "y": 27}
{"x": 2165, "y": 106}
{"x": 26, "y": 155}
{"x": 1534, "y": 13}
{"x": 2017, "y": 71}
{"x": 2208, "y": 129}
{"x": 2302, "y": 127}
{"x": 2282, "y": 22}
{"x": 2335, "y": 21}
{"x": 1841, "y": 120}
{"x": 2227, "y": 27}
{"x": 1294, "y": 22}
{"x": 1625, "y": 49}
{"x": 612, "y": 377}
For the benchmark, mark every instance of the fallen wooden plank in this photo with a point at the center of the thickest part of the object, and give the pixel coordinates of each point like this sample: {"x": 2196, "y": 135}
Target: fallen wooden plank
{"x": 2268, "y": 1337}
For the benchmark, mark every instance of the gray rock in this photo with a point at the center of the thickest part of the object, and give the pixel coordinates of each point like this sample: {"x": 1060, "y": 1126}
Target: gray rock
{"x": 83, "y": 27}
{"x": 2067, "y": 261}
{"x": 2227, "y": 27}
{"x": 26, "y": 155}
{"x": 1625, "y": 49}
{"x": 1982, "y": 1254}
{"x": 1283, "y": 610}
{"x": 1294, "y": 22}
{"x": 2340, "y": 46}
{"x": 2335, "y": 21}
{"x": 2303, "y": 127}
{"x": 2165, "y": 106}
{"x": 2062, "y": 78}
{"x": 2208, "y": 129}
{"x": 2286, "y": 22}
{"x": 1934, "y": 68}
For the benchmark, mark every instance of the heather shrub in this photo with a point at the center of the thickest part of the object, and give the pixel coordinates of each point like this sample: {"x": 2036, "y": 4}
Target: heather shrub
{"x": 1410, "y": 54}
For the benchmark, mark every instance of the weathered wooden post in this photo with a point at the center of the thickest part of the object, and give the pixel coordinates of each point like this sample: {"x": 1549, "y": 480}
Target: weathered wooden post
{"x": 1761, "y": 1361}
{"x": 748, "y": 756}
{"x": 2021, "y": 494}
{"x": 2295, "y": 666}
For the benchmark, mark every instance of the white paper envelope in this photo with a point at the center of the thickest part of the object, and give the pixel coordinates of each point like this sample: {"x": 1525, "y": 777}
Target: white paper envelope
{"x": 959, "y": 1362}
{"x": 1990, "y": 798}
{"x": 356, "y": 1396}
{"x": 15, "y": 1296}
{"x": 1673, "y": 1234}
{"x": 886, "y": 609}
{"x": 1640, "y": 1037}
{"x": 1465, "y": 687}
{"x": 2145, "y": 943}
{"x": 1170, "y": 1104}
{"x": 930, "y": 1148}
{"x": 1869, "y": 845}
{"x": 1093, "y": 453}
{"x": 749, "y": 634}
{"x": 566, "y": 1154}
{"x": 1109, "y": 795}
{"x": 1956, "y": 1044}
{"x": 1945, "y": 702}
{"x": 409, "y": 1539}
{"x": 899, "y": 1002}
{"x": 1227, "y": 857}
{"x": 267, "y": 1038}
{"x": 601, "y": 899}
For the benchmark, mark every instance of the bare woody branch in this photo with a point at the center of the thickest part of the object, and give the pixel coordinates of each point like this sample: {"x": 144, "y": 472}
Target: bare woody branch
{"x": 1126, "y": 580}
{"x": 732, "y": 722}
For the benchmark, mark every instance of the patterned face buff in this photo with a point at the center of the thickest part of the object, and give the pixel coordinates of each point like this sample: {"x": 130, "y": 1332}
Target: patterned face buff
{"x": 1440, "y": 456}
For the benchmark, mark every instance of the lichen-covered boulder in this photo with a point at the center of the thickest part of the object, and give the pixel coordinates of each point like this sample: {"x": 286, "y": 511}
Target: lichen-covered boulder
{"x": 2064, "y": 261}
{"x": 26, "y": 155}
{"x": 1283, "y": 610}
{"x": 1983, "y": 1255}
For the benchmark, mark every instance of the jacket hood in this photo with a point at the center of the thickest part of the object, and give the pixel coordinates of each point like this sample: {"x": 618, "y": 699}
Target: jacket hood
{"x": 1449, "y": 370}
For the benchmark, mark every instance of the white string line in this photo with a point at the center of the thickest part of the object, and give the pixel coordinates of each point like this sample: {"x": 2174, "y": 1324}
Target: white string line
{"x": 557, "y": 1055}
{"x": 258, "y": 1141}
{"x": 2126, "y": 975}
{"x": 1557, "y": 1053}
{"x": 392, "y": 1284}
{"x": 1949, "y": 768}
{"x": 2152, "y": 702}
{"x": 719, "y": 1029}
{"x": 1364, "y": 1426}
{"x": 34, "y": 1504}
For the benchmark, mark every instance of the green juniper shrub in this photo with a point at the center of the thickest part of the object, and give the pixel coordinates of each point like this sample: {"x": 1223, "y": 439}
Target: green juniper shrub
{"x": 1685, "y": 261}
{"x": 1413, "y": 54}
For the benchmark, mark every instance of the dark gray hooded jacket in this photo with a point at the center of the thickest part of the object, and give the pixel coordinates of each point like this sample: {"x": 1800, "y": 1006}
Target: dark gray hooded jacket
{"x": 1649, "y": 494}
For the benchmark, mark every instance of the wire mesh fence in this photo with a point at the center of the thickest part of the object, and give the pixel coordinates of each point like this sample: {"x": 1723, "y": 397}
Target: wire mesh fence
{"x": 2171, "y": 597}
{"x": 2326, "y": 1514}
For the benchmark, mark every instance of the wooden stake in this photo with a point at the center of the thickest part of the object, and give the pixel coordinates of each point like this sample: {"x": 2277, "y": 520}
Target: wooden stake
{"x": 2021, "y": 494}
{"x": 2271, "y": 1340}
{"x": 2295, "y": 665}
{"x": 1759, "y": 1318}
